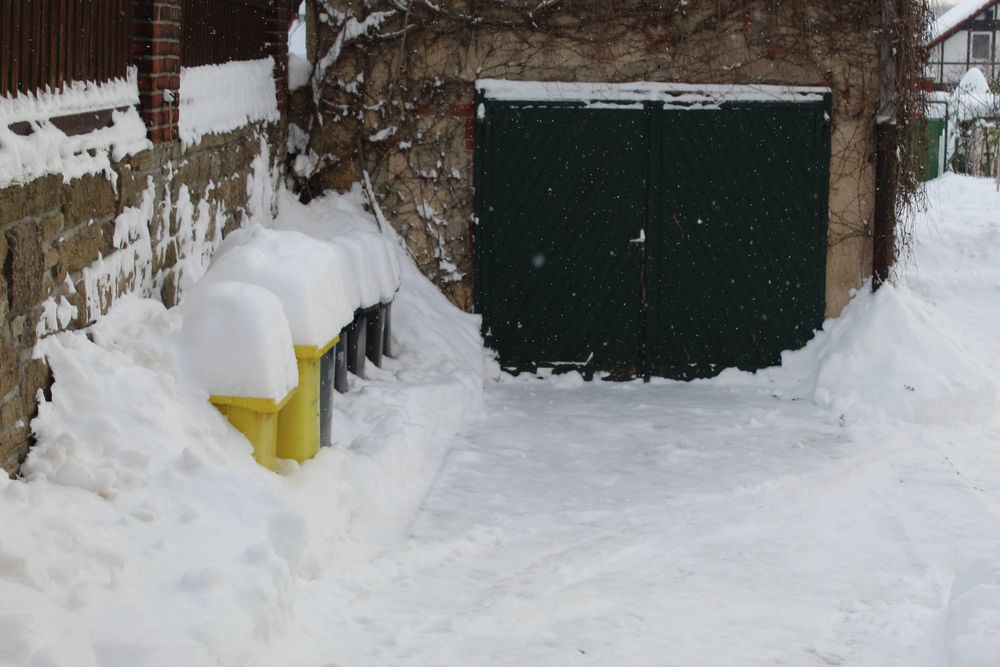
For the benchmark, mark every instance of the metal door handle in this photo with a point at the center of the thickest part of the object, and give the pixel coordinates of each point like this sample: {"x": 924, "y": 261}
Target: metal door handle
{"x": 640, "y": 240}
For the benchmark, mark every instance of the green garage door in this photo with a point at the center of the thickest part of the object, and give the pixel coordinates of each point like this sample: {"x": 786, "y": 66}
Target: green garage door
{"x": 660, "y": 236}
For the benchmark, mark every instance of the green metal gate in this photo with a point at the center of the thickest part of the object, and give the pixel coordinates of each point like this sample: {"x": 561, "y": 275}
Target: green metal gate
{"x": 651, "y": 237}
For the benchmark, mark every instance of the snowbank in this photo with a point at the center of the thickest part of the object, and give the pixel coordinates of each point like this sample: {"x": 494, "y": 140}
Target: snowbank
{"x": 49, "y": 150}
{"x": 888, "y": 356}
{"x": 215, "y": 99}
{"x": 143, "y": 533}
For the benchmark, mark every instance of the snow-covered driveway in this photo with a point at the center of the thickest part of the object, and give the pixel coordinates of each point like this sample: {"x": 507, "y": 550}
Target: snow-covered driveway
{"x": 731, "y": 522}
{"x": 671, "y": 525}
{"x": 842, "y": 509}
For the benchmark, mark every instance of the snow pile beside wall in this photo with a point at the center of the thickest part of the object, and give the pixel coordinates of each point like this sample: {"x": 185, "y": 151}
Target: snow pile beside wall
{"x": 145, "y": 534}
{"x": 49, "y": 150}
{"x": 890, "y": 355}
{"x": 215, "y": 99}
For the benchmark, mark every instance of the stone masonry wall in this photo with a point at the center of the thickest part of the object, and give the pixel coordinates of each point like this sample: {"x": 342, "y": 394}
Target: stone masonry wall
{"x": 149, "y": 227}
{"x": 61, "y": 253}
{"x": 422, "y": 97}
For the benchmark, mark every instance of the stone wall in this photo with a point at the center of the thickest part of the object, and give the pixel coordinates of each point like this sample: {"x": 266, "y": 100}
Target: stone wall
{"x": 69, "y": 250}
{"x": 422, "y": 93}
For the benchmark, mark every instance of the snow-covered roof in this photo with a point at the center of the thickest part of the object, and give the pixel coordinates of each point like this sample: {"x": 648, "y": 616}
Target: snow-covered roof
{"x": 951, "y": 21}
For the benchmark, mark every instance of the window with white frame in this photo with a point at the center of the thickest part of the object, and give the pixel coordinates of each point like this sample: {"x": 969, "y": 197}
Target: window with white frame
{"x": 981, "y": 46}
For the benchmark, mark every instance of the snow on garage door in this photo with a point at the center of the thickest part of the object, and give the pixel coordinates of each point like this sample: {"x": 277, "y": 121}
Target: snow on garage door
{"x": 641, "y": 229}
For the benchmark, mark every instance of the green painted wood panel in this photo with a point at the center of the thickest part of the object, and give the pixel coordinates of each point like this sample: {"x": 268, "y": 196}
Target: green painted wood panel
{"x": 733, "y": 204}
{"x": 562, "y": 190}
{"x": 739, "y": 263}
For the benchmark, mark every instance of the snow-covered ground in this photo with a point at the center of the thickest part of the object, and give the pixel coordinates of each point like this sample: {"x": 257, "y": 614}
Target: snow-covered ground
{"x": 841, "y": 510}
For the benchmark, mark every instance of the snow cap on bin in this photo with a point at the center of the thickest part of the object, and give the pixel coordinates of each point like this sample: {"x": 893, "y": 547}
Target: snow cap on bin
{"x": 305, "y": 274}
{"x": 372, "y": 255}
{"x": 237, "y": 341}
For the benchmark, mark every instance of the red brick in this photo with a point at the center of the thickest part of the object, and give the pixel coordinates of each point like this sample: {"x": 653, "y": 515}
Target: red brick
{"x": 163, "y": 30}
{"x": 167, "y": 82}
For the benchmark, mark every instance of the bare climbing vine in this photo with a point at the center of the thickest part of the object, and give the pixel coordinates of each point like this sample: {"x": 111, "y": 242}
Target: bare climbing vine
{"x": 391, "y": 90}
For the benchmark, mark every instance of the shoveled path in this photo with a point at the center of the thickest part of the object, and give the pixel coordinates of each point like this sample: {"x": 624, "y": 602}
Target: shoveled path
{"x": 668, "y": 524}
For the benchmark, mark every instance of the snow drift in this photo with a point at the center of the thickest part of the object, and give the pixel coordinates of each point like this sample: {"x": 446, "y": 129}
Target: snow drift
{"x": 143, "y": 533}
{"x": 890, "y": 355}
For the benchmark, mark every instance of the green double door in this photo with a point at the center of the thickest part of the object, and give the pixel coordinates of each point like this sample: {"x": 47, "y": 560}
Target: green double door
{"x": 643, "y": 239}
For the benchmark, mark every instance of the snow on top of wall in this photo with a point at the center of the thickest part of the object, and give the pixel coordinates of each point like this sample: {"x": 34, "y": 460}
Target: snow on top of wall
{"x": 638, "y": 91}
{"x": 215, "y": 99}
{"x": 76, "y": 97}
{"x": 956, "y": 15}
{"x": 49, "y": 150}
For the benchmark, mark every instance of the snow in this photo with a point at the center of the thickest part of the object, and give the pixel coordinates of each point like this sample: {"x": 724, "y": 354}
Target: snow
{"x": 318, "y": 260}
{"x": 820, "y": 513}
{"x": 973, "y": 97}
{"x": 307, "y": 277}
{"x": 299, "y": 68}
{"x": 48, "y": 150}
{"x": 299, "y": 72}
{"x": 143, "y": 533}
{"x": 363, "y": 251}
{"x": 671, "y": 93}
{"x": 215, "y": 99}
{"x": 236, "y": 341}
{"x": 965, "y": 9}
{"x": 921, "y": 373}
{"x": 132, "y": 259}
{"x": 297, "y": 33}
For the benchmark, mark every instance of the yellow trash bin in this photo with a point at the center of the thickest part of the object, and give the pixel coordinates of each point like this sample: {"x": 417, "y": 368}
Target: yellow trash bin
{"x": 298, "y": 420}
{"x": 257, "y": 419}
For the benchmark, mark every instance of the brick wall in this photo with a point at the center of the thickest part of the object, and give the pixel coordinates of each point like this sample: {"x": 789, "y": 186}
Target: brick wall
{"x": 52, "y": 233}
{"x": 157, "y": 53}
{"x": 279, "y": 18}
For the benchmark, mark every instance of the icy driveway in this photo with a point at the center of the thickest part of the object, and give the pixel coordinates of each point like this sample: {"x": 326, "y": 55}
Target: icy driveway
{"x": 672, "y": 525}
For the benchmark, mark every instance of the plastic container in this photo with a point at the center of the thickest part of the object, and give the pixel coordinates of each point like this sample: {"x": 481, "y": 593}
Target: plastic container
{"x": 375, "y": 334}
{"x": 299, "y": 419}
{"x": 257, "y": 419}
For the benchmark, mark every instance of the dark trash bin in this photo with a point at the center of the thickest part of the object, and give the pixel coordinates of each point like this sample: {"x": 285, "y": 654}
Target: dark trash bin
{"x": 327, "y": 375}
{"x": 387, "y": 332}
{"x": 357, "y": 345}
{"x": 375, "y": 335}
{"x": 340, "y": 363}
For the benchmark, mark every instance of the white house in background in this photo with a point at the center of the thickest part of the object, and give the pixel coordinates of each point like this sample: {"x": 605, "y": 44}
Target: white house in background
{"x": 962, "y": 38}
